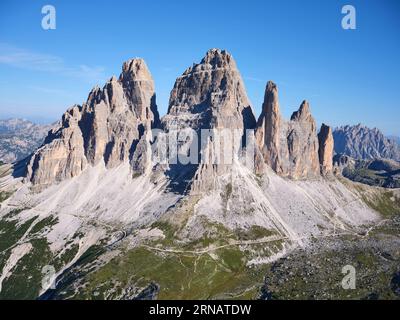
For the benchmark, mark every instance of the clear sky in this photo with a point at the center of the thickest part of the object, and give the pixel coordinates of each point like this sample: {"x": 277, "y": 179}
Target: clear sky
{"x": 349, "y": 76}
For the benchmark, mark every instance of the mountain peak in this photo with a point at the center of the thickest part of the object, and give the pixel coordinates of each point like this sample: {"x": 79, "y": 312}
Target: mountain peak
{"x": 271, "y": 102}
{"x": 304, "y": 111}
{"x": 271, "y": 86}
{"x": 135, "y": 70}
{"x": 218, "y": 58}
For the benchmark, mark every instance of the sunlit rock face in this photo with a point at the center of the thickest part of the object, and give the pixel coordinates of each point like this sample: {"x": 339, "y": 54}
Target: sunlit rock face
{"x": 108, "y": 127}
{"x": 290, "y": 148}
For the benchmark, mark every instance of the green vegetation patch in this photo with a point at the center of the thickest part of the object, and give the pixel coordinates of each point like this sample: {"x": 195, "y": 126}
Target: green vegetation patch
{"x": 26, "y": 279}
{"x": 4, "y": 195}
{"x": 44, "y": 223}
{"x": 180, "y": 276}
{"x": 11, "y": 232}
{"x": 254, "y": 233}
{"x": 386, "y": 204}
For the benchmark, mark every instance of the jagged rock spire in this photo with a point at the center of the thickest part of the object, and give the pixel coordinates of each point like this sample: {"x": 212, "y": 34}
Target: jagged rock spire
{"x": 269, "y": 128}
{"x": 289, "y": 148}
{"x": 325, "y": 151}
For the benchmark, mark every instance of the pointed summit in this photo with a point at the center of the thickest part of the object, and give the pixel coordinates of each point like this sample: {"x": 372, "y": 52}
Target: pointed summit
{"x": 303, "y": 113}
{"x": 135, "y": 70}
{"x": 210, "y": 95}
{"x": 218, "y": 58}
{"x": 214, "y": 91}
{"x": 269, "y": 127}
{"x": 271, "y": 101}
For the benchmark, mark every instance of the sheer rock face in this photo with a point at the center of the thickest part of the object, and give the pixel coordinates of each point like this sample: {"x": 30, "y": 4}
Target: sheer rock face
{"x": 210, "y": 95}
{"x": 325, "y": 151}
{"x": 108, "y": 127}
{"x": 269, "y": 128}
{"x": 303, "y": 144}
{"x": 290, "y": 148}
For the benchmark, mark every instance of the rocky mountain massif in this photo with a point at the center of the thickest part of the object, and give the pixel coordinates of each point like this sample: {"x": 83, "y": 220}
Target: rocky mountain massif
{"x": 112, "y": 127}
{"x": 363, "y": 143}
{"x": 365, "y": 155}
{"x": 93, "y": 215}
{"x": 19, "y": 138}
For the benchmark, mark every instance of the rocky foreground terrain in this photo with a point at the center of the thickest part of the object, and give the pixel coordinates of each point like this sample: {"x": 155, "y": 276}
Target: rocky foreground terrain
{"x": 96, "y": 212}
{"x": 19, "y": 138}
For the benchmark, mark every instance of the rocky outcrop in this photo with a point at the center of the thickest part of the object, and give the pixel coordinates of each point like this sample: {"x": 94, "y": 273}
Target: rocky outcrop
{"x": 325, "y": 139}
{"x": 108, "y": 127}
{"x": 361, "y": 142}
{"x": 290, "y": 148}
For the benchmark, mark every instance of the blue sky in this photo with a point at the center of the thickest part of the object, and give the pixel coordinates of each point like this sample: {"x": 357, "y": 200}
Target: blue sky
{"x": 349, "y": 76}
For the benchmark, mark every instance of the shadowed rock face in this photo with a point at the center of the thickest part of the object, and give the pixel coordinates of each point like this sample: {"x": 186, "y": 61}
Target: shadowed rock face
{"x": 325, "y": 151}
{"x": 108, "y": 127}
{"x": 290, "y": 148}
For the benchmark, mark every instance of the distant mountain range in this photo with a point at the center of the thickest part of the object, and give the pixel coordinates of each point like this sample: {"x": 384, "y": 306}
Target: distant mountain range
{"x": 19, "y": 138}
{"x": 395, "y": 139}
{"x": 363, "y": 143}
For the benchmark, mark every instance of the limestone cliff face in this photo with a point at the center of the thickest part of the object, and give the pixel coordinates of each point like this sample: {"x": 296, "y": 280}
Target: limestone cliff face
{"x": 108, "y": 127}
{"x": 325, "y": 152}
{"x": 62, "y": 155}
{"x": 209, "y": 95}
{"x": 303, "y": 144}
{"x": 290, "y": 148}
